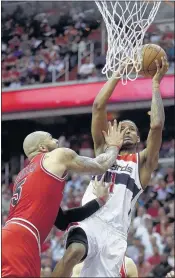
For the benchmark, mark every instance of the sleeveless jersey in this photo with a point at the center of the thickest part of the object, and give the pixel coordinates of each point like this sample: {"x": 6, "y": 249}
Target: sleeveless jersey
{"x": 124, "y": 192}
{"x": 36, "y": 199}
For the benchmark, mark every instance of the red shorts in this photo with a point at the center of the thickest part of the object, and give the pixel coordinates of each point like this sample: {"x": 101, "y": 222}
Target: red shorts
{"x": 20, "y": 254}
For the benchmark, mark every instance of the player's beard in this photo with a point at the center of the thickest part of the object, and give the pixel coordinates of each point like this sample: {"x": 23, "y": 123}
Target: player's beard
{"x": 128, "y": 147}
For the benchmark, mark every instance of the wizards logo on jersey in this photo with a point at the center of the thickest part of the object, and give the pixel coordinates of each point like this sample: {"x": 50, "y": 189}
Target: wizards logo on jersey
{"x": 125, "y": 168}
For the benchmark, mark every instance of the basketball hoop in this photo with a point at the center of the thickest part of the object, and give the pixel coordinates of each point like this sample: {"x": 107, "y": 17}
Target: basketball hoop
{"x": 126, "y": 24}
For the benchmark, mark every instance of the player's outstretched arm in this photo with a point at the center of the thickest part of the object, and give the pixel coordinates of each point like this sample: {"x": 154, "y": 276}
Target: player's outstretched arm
{"x": 150, "y": 155}
{"x": 66, "y": 217}
{"x": 99, "y": 113}
{"x": 100, "y": 164}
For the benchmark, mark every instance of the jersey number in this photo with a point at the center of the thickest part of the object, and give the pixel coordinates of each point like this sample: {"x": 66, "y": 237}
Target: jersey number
{"x": 17, "y": 193}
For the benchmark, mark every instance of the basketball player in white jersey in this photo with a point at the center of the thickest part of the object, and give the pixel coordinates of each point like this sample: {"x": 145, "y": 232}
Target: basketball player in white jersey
{"x": 128, "y": 269}
{"x": 101, "y": 240}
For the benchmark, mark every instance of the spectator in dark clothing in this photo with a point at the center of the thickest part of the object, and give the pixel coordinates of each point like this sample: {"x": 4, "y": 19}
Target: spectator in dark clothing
{"x": 163, "y": 268}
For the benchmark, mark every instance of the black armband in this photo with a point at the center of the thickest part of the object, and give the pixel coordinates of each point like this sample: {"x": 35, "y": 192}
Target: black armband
{"x": 64, "y": 218}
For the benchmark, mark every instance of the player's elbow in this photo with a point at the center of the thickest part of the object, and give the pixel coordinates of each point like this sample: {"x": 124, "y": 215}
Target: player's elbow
{"x": 102, "y": 169}
{"x": 97, "y": 106}
{"x": 158, "y": 124}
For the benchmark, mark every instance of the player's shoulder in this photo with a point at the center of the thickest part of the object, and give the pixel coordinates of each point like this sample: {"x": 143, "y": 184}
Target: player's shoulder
{"x": 61, "y": 154}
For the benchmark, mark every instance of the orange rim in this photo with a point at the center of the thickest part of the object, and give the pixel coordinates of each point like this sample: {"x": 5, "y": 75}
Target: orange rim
{"x": 168, "y": 2}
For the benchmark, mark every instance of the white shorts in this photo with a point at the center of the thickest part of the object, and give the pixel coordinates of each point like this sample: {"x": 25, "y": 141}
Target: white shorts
{"x": 106, "y": 249}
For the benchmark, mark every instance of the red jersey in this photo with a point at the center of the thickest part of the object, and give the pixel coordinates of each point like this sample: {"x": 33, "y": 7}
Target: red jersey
{"x": 123, "y": 270}
{"x": 36, "y": 199}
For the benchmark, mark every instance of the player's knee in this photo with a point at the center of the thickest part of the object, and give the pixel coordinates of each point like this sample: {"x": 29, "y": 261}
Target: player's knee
{"x": 75, "y": 251}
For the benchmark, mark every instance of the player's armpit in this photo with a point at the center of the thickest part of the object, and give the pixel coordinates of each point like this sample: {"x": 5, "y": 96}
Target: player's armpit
{"x": 149, "y": 156}
{"x": 148, "y": 163}
{"x": 157, "y": 119}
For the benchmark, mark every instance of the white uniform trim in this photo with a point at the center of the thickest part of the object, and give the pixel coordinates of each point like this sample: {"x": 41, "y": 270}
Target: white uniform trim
{"x": 48, "y": 173}
{"x": 37, "y": 235}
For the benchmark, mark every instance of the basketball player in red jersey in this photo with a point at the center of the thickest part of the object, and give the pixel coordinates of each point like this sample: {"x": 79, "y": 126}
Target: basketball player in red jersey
{"x": 128, "y": 269}
{"x": 147, "y": 162}
{"x": 37, "y": 195}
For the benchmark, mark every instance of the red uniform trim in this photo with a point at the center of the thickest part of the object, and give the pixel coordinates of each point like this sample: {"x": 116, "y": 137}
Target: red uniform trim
{"x": 128, "y": 157}
{"x": 123, "y": 271}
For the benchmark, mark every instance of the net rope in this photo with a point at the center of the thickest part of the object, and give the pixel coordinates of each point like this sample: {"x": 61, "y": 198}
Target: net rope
{"x": 126, "y": 23}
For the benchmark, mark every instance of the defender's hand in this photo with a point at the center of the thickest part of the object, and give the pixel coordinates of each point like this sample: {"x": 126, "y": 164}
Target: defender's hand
{"x": 160, "y": 71}
{"x": 115, "y": 136}
{"x": 101, "y": 190}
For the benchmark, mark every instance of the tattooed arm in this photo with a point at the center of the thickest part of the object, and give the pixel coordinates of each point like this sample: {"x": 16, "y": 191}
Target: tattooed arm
{"x": 62, "y": 160}
{"x": 100, "y": 164}
{"x": 96, "y": 166}
{"x": 149, "y": 156}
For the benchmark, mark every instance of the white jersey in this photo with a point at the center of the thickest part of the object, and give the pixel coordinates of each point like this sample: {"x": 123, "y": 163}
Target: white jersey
{"x": 125, "y": 190}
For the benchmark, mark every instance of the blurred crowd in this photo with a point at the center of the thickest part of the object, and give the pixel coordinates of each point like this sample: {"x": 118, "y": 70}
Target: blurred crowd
{"x": 32, "y": 49}
{"x": 151, "y": 236}
{"x": 35, "y": 51}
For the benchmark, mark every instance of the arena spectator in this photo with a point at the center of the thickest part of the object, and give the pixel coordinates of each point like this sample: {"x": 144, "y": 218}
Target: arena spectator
{"x": 156, "y": 258}
{"x": 34, "y": 46}
{"x": 134, "y": 247}
{"x": 99, "y": 61}
{"x": 144, "y": 267}
{"x": 139, "y": 219}
{"x": 163, "y": 268}
{"x": 6, "y": 198}
{"x": 86, "y": 69}
{"x": 46, "y": 271}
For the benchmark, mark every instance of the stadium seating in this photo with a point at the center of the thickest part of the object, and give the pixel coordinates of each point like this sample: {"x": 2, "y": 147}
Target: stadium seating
{"x": 37, "y": 49}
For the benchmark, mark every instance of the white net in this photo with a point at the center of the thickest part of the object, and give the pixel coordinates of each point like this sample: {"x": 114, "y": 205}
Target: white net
{"x": 126, "y": 23}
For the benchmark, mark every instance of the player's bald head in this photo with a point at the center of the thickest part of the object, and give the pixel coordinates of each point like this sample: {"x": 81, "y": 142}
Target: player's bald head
{"x": 33, "y": 140}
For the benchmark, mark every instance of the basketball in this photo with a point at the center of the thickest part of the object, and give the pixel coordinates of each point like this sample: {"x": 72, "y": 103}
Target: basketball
{"x": 150, "y": 53}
